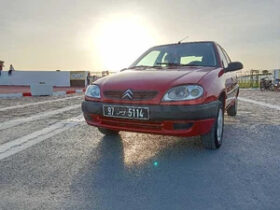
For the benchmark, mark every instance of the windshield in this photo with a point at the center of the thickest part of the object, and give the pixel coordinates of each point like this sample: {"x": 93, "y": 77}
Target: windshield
{"x": 185, "y": 54}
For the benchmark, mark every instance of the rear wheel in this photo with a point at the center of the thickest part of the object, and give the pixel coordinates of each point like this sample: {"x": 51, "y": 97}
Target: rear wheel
{"x": 108, "y": 132}
{"x": 232, "y": 111}
{"x": 213, "y": 139}
{"x": 271, "y": 87}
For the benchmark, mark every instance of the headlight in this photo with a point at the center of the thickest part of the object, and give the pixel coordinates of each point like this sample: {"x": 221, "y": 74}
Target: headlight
{"x": 184, "y": 92}
{"x": 93, "y": 91}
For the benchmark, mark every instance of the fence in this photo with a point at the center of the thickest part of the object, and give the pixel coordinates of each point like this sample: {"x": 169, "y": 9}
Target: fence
{"x": 252, "y": 79}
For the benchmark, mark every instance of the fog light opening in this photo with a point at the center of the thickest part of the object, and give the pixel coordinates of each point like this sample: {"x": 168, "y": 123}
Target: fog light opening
{"x": 182, "y": 126}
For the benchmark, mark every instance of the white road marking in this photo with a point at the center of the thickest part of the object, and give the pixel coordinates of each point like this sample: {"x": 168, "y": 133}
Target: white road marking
{"x": 37, "y": 103}
{"x": 12, "y": 123}
{"x": 244, "y": 112}
{"x": 259, "y": 103}
{"x": 22, "y": 143}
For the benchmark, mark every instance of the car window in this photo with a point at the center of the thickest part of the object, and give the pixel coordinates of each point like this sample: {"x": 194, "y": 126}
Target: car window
{"x": 226, "y": 55}
{"x": 183, "y": 60}
{"x": 222, "y": 57}
{"x": 197, "y": 54}
{"x": 149, "y": 59}
{"x": 190, "y": 59}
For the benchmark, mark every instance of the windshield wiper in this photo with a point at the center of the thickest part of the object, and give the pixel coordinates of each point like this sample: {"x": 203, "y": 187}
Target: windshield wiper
{"x": 144, "y": 67}
{"x": 189, "y": 65}
{"x": 176, "y": 64}
{"x": 141, "y": 66}
{"x": 168, "y": 64}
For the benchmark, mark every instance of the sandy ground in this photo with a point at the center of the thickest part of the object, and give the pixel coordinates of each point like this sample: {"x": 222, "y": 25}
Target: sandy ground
{"x": 80, "y": 168}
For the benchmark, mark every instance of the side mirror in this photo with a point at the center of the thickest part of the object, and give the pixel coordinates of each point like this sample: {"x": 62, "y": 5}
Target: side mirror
{"x": 234, "y": 66}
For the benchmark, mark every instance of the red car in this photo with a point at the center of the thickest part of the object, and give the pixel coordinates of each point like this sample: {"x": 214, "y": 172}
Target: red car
{"x": 178, "y": 89}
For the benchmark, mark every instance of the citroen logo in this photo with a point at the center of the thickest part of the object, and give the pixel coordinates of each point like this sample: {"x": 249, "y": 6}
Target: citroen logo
{"x": 128, "y": 94}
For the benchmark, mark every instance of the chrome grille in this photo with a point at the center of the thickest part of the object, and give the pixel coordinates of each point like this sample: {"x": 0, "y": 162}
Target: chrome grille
{"x": 137, "y": 95}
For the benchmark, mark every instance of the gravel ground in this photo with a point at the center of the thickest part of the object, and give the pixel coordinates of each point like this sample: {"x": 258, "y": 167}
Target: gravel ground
{"x": 81, "y": 169}
{"x": 271, "y": 97}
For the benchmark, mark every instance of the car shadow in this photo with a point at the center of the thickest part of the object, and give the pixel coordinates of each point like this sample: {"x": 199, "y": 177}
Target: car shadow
{"x": 109, "y": 181}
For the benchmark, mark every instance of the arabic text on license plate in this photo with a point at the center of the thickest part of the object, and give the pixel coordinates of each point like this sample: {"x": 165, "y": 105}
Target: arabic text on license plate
{"x": 128, "y": 112}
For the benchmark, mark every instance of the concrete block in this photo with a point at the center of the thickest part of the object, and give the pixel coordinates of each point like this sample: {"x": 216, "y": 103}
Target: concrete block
{"x": 41, "y": 89}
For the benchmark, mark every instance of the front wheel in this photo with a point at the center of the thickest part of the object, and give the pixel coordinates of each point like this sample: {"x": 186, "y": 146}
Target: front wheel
{"x": 108, "y": 132}
{"x": 213, "y": 139}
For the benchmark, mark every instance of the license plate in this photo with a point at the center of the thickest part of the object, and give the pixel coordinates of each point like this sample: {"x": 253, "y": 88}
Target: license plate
{"x": 128, "y": 112}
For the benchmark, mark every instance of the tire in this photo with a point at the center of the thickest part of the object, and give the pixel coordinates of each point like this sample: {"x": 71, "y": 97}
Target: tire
{"x": 108, "y": 132}
{"x": 232, "y": 111}
{"x": 271, "y": 87}
{"x": 214, "y": 139}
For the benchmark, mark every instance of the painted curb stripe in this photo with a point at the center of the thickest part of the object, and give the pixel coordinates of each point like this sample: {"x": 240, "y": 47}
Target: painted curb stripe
{"x": 10, "y": 95}
{"x": 28, "y": 94}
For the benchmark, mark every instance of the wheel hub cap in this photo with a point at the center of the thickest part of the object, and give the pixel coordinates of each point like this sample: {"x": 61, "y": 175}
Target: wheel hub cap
{"x": 220, "y": 125}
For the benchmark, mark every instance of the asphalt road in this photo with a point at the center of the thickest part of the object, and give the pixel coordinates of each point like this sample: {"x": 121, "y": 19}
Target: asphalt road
{"x": 50, "y": 159}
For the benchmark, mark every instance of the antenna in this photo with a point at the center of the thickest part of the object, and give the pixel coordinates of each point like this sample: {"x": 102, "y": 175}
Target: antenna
{"x": 183, "y": 39}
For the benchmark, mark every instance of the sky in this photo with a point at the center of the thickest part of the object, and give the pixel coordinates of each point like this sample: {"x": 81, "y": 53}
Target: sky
{"x": 109, "y": 35}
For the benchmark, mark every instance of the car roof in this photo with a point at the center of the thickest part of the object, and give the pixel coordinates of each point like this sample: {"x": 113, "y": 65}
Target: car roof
{"x": 178, "y": 43}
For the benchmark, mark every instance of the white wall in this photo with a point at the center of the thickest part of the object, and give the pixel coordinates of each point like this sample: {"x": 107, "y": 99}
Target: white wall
{"x": 55, "y": 78}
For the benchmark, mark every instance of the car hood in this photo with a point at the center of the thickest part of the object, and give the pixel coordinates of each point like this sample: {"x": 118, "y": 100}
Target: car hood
{"x": 153, "y": 79}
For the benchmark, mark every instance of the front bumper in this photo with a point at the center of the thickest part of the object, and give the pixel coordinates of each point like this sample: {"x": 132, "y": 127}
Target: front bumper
{"x": 177, "y": 120}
